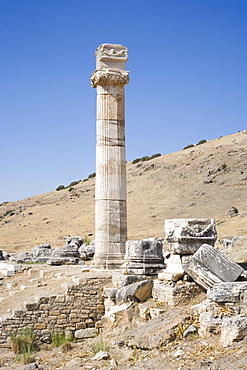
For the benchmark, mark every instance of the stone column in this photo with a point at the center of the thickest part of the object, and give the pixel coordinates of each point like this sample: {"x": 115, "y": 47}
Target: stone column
{"x": 110, "y": 78}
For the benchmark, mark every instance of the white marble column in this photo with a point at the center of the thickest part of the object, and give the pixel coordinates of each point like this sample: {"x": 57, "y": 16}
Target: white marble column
{"x": 110, "y": 78}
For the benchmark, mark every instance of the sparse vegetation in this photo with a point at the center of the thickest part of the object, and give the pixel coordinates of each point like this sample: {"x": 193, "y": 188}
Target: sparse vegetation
{"x": 192, "y": 145}
{"x": 61, "y": 339}
{"x": 136, "y": 160}
{"x": 8, "y": 212}
{"x": 60, "y": 187}
{"x": 146, "y": 158}
{"x": 189, "y": 146}
{"x": 100, "y": 346}
{"x": 92, "y": 175}
{"x": 23, "y": 344}
{"x": 223, "y": 166}
{"x": 201, "y": 142}
{"x": 73, "y": 183}
{"x": 87, "y": 240}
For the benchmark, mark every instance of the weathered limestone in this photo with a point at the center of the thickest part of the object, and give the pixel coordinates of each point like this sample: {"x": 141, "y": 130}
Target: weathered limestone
{"x": 9, "y": 269}
{"x": 110, "y": 78}
{"x": 209, "y": 266}
{"x": 122, "y": 313}
{"x": 174, "y": 269}
{"x": 185, "y": 236}
{"x": 143, "y": 257}
{"x": 228, "y": 292}
{"x": 233, "y": 329}
{"x": 136, "y": 292}
{"x": 174, "y": 294}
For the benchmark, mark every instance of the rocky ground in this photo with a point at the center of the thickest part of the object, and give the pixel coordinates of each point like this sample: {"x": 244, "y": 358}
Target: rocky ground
{"x": 181, "y": 353}
{"x": 140, "y": 344}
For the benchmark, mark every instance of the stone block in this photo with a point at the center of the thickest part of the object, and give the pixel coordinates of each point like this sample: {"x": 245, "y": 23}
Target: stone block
{"x": 209, "y": 266}
{"x": 80, "y": 325}
{"x": 234, "y": 329}
{"x": 209, "y": 324}
{"x": 123, "y": 314}
{"x": 144, "y": 257}
{"x": 86, "y": 333}
{"x": 174, "y": 294}
{"x": 137, "y": 292}
{"x": 228, "y": 291}
{"x": 40, "y": 326}
{"x": 185, "y": 236}
{"x": 174, "y": 269}
{"x": 129, "y": 279}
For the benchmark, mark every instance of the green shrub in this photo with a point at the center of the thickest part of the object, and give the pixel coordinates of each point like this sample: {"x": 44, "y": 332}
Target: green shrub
{"x": 223, "y": 166}
{"x": 136, "y": 160}
{"x": 92, "y": 175}
{"x": 155, "y": 155}
{"x": 73, "y": 183}
{"x": 189, "y": 146}
{"x": 100, "y": 346}
{"x": 60, "y": 187}
{"x": 85, "y": 180}
{"x": 145, "y": 158}
{"x": 201, "y": 142}
{"x": 70, "y": 189}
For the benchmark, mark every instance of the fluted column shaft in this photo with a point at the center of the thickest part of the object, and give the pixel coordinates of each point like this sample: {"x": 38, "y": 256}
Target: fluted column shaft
{"x": 110, "y": 193}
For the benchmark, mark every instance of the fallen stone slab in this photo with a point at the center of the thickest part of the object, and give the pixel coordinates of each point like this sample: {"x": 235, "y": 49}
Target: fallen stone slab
{"x": 129, "y": 279}
{"x": 123, "y": 314}
{"x": 208, "y": 266}
{"x": 136, "y": 292}
{"x": 233, "y": 330}
{"x": 228, "y": 292}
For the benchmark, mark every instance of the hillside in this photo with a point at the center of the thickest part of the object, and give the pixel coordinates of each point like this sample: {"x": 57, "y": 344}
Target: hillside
{"x": 203, "y": 181}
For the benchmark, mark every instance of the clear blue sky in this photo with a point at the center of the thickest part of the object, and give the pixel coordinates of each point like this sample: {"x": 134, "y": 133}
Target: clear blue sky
{"x": 188, "y": 70}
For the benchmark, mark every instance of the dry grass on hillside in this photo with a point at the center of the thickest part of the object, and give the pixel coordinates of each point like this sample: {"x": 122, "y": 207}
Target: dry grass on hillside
{"x": 203, "y": 181}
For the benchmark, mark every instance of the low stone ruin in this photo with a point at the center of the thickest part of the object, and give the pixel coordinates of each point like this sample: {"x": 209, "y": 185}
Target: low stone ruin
{"x": 192, "y": 266}
{"x": 75, "y": 251}
{"x": 150, "y": 281}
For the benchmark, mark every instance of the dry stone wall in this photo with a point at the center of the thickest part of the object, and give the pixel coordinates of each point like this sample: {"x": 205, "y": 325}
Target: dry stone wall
{"x": 81, "y": 307}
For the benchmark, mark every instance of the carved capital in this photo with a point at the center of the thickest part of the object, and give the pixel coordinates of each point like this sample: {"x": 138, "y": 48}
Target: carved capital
{"x": 109, "y": 78}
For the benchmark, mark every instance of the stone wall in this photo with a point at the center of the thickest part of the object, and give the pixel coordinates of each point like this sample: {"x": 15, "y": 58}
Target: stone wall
{"x": 80, "y": 307}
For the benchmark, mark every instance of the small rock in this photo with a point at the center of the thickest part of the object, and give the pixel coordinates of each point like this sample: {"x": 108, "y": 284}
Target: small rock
{"x": 192, "y": 329}
{"x": 178, "y": 353}
{"x": 101, "y": 355}
{"x": 113, "y": 362}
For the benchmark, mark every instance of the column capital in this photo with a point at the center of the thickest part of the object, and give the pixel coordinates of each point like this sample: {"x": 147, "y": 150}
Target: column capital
{"x": 109, "y": 78}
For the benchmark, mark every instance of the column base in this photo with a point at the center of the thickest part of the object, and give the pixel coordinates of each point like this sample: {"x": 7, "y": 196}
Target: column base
{"x": 108, "y": 261}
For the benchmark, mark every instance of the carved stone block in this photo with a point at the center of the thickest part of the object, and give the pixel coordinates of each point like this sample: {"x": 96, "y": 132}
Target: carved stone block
{"x": 208, "y": 266}
{"x": 185, "y": 236}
